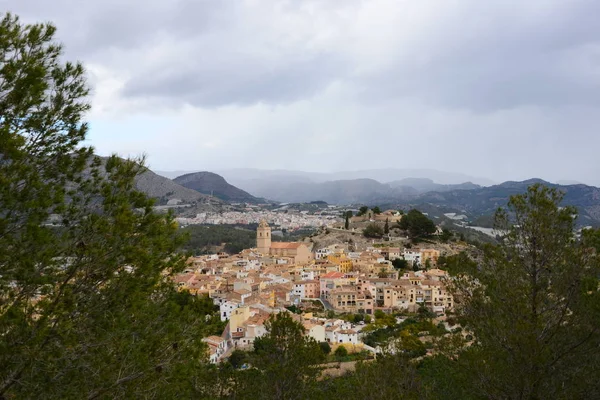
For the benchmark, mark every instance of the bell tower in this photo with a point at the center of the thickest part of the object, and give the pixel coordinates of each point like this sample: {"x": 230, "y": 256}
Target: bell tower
{"x": 263, "y": 237}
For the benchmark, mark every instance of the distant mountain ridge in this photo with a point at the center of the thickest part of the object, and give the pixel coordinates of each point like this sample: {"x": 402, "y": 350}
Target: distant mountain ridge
{"x": 238, "y": 176}
{"x": 486, "y": 200}
{"x": 213, "y": 184}
{"x": 351, "y": 191}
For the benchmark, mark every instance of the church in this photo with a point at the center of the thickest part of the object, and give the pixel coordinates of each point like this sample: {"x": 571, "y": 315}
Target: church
{"x": 298, "y": 251}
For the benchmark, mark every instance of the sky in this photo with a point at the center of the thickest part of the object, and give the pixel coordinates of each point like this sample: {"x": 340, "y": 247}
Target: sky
{"x": 502, "y": 89}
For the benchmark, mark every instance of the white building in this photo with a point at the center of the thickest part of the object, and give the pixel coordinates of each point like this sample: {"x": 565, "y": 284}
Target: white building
{"x": 413, "y": 257}
{"x": 322, "y": 254}
{"x": 226, "y": 308}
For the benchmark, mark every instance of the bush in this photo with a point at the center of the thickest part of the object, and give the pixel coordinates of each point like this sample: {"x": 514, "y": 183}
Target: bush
{"x": 238, "y": 358}
{"x": 373, "y": 231}
{"x": 325, "y": 347}
{"x": 341, "y": 352}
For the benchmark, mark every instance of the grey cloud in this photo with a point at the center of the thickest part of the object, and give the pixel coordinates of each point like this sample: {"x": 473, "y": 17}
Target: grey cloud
{"x": 509, "y": 89}
{"x": 237, "y": 82}
{"x": 502, "y": 62}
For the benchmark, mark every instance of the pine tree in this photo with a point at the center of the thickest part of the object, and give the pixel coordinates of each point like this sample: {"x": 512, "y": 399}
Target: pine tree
{"x": 87, "y": 306}
{"x": 533, "y": 306}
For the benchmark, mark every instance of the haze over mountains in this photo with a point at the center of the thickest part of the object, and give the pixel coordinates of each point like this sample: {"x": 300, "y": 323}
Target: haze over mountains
{"x": 238, "y": 176}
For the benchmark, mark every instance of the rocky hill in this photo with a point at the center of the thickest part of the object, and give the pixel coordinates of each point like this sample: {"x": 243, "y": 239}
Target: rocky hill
{"x": 165, "y": 189}
{"x": 215, "y": 185}
{"x": 169, "y": 194}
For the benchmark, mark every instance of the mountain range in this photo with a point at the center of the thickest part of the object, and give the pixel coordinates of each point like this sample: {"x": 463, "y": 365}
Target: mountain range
{"x": 485, "y": 200}
{"x": 471, "y": 199}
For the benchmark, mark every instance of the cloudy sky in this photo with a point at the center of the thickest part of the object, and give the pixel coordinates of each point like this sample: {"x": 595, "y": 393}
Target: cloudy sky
{"x": 504, "y": 89}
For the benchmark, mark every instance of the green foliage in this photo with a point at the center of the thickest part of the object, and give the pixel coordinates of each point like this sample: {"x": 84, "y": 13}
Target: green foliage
{"x": 362, "y": 211}
{"x": 373, "y": 231}
{"x": 376, "y": 210}
{"x": 204, "y": 238}
{"x": 530, "y": 307}
{"x": 347, "y": 221}
{"x": 325, "y": 347}
{"x": 417, "y": 224}
{"x": 237, "y": 358}
{"x": 88, "y": 309}
{"x": 386, "y": 227}
{"x": 460, "y": 263}
{"x": 389, "y": 377}
{"x": 427, "y": 264}
{"x": 400, "y": 263}
{"x": 287, "y": 360}
{"x": 355, "y": 318}
{"x": 341, "y": 352}
{"x": 446, "y": 235}
{"x": 294, "y": 309}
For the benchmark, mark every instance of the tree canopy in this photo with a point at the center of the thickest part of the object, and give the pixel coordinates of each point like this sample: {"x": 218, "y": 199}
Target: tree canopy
{"x": 373, "y": 231}
{"x": 88, "y": 308}
{"x": 534, "y": 306}
{"x": 417, "y": 224}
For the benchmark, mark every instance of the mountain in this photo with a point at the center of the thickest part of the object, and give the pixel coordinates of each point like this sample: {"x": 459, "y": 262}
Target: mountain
{"x": 423, "y": 185}
{"x": 170, "y": 195}
{"x": 215, "y": 185}
{"x": 333, "y": 192}
{"x": 174, "y": 174}
{"x": 349, "y": 191}
{"x": 485, "y": 200}
{"x": 242, "y": 176}
{"x": 165, "y": 189}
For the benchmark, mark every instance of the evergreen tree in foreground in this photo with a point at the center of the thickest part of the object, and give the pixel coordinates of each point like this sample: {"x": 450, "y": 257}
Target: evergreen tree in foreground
{"x": 533, "y": 307}
{"x": 86, "y": 306}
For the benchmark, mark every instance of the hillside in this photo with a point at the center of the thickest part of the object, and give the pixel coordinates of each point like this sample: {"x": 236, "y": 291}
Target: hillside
{"x": 484, "y": 201}
{"x": 424, "y": 185}
{"x": 215, "y": 185}
{"x": 165, "y": 189}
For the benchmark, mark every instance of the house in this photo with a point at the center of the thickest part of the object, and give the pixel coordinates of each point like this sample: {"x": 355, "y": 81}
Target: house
{"x": 346, "y": 336}
{"x": 315, "y": 331}
{"x": 321, "y": 254}
{"x": 329, "y": 281}
{"x": 413, "y": 257}
{"x": 226, "y": 308}
{"x": 217, "y": 346}
{"x": 343, "y": 263}
{"x": 391, "y": 253}
{"x": 430, "y": 255}
{"x": 306, "y": 289}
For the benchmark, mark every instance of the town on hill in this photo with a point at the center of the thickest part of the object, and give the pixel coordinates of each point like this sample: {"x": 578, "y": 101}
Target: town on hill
{"x": 383, "y": 283}
{"x": 330, "y": 283}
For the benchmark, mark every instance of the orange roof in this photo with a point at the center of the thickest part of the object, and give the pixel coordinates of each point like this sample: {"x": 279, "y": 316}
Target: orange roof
{"x": 285, "y": 245}
{"x": 330, "y": 275}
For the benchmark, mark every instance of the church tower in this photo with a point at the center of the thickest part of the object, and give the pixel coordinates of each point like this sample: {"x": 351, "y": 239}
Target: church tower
{"x": 263, "y": 237}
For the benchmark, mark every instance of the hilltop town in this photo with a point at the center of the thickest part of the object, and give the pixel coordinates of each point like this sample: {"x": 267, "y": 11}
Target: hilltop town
{"x": 326, "y": 286}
